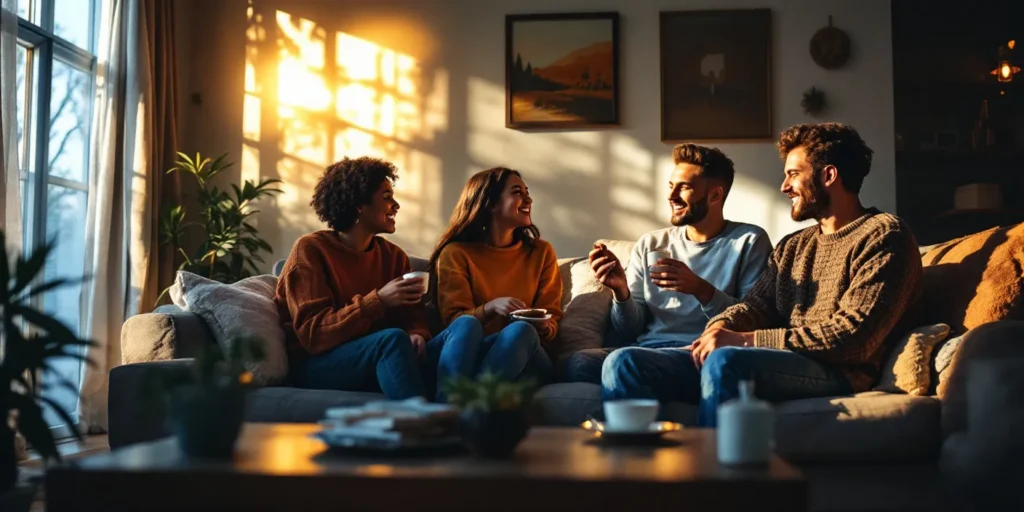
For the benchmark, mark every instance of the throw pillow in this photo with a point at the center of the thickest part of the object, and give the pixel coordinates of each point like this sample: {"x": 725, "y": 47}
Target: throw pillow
{"x": 942, "y": 361}
{"x": 976, "y": 279}
{"x": 908, "y": 367}
{"x": 996, "y": 340}
{"x": 585, "y": 315}
{"x": 242, "y": 309}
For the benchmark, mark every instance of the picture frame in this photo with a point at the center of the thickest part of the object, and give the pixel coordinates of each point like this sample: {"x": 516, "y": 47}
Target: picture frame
{"x": 562, "y": 70}
{"x": 716, "y": 75}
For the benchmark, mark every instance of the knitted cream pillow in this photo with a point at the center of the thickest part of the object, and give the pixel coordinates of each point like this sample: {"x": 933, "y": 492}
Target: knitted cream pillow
{"x": 908, "y": 368}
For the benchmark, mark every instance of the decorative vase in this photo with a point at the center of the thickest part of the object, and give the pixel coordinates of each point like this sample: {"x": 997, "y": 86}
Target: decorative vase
{"x": 206, "y": 422}
{"x": 494, "y": 434}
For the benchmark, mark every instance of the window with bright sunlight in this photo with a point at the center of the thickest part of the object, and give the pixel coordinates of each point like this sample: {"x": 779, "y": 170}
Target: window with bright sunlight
{"x": 56, "y": 80}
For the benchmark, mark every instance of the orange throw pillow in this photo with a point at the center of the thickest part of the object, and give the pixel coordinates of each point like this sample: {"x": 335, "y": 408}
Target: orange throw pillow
{"x": 975, "y": 279}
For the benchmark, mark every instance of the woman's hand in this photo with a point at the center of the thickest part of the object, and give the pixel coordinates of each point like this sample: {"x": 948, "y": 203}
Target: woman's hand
{"x": 503, "y": 306}
{"x": 401, "y": 292}
{"x": 546, "y": 329}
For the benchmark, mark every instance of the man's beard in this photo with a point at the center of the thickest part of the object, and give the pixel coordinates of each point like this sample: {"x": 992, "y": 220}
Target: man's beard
{"x": 813, "y": 202}
{"x": 695, "y": 212}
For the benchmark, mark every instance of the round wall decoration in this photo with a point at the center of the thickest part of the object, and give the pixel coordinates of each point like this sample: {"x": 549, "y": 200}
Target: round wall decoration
{"x": 830, "y": 47}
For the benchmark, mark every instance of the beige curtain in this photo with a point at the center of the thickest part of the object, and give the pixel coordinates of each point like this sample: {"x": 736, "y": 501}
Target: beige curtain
{"x": 135, "y": 143}
{"x": 10, "y": 212}
{"x": 161, "y": 123}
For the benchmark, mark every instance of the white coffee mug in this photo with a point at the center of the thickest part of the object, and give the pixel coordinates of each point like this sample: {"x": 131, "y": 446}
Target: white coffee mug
{"x": 634, "y": 415}
{"x": 419, "y": 275}
{"x": 654, "y": 256}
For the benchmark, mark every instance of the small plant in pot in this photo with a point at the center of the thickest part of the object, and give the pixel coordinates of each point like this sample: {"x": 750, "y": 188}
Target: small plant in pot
{"x": 205, "y": 403}
{"x": 32, "y": 341}
{"x": 494, "y": 413}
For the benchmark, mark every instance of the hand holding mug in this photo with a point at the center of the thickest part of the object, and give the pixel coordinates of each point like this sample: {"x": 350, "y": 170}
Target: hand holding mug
{"x": 401, "y": 292}
{"x": 670, "y": 274}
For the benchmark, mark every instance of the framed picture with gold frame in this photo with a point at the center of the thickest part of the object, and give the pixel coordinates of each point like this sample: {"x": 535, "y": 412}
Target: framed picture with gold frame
{"x": 562, "y": 70}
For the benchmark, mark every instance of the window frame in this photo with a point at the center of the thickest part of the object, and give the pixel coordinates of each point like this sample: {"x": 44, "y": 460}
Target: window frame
{"x": 44, "y": 48}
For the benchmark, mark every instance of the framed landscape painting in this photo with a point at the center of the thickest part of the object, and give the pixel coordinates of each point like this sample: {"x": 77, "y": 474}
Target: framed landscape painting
{"x": 562, "y": 70}
{"x": 716, "y": 75}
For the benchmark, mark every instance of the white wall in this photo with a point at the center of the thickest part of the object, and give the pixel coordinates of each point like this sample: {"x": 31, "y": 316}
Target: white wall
{"x": 422, "y": 83}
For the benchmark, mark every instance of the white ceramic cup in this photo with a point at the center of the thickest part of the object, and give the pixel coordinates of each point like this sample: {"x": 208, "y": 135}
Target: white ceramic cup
{"x": 419, "y": 275}
{"x": 629, "y": 415}
{"x": 654, "y": 256}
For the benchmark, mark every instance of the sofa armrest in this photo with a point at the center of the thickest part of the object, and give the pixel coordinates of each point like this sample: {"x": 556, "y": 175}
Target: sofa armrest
{"x": 995, "y": 340}
{"x": 169, "y": 333}
{"x": 132, "y": 418}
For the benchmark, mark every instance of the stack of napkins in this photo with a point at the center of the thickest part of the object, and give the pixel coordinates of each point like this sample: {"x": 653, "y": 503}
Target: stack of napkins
{"x": 389, "y": 423}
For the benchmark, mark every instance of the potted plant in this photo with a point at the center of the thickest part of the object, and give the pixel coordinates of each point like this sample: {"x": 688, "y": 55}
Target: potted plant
{"x": 231, "y": 245}
{"x": 494, "y": 413}
{"x": 31, "y": 341}
{"x": 205, "y": 402}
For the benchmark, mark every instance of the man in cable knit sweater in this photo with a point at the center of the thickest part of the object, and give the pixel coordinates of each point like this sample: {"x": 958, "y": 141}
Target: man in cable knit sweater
{"x": 817, "y": 321}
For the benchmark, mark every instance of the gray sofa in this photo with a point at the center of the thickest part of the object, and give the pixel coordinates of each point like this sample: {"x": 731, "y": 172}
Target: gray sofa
{"x": 869, "y": 451}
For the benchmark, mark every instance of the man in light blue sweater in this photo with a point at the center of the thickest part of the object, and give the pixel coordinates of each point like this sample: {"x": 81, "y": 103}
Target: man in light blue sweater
{"x": 710, "y": 264}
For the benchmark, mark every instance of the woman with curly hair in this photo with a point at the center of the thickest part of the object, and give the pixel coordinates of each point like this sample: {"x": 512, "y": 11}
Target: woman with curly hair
{"x": 491, "y": 262}
{"x": 354, "y": 322}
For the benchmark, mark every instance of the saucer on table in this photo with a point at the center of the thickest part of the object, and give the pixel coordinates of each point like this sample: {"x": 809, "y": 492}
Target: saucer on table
{"x": 653, "y": 431}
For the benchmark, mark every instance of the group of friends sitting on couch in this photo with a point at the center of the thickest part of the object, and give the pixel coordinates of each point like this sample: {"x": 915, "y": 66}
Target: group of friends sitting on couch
{"x": 707, "y": 302}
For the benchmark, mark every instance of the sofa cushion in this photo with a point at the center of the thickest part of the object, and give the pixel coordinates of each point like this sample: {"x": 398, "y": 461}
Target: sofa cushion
{"x": 296, "y": 405}
{"x": 169, "y": 333}
{"x": 867, "y": 426}
{"x": 976, "y": 279}
{"x": 585, "y": 318}
{"x": 996, "y": 340}
{"x": 241, "y": 310}
{"x": 908, "y": 368}
{"x": 942, "y": 362}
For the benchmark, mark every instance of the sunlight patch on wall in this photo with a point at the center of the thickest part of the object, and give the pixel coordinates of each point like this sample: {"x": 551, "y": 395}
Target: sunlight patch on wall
{"x": 301, "y": 82}
{"x": 539, "y": 155}
{"x": 418, "y": 191}
{"x": 251, "y": 118}
{"x": 629, "y": 226}
{"x": 314, "y": 95}
{"x": 632, "y": 164}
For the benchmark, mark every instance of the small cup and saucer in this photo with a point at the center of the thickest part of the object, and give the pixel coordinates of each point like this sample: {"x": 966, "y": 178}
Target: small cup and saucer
{"x": 630, "y": 421}
{"x": 532, "y": 315}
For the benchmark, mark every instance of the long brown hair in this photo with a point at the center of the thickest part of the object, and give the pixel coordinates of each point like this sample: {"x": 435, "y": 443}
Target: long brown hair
{"x": 474, "y": 212}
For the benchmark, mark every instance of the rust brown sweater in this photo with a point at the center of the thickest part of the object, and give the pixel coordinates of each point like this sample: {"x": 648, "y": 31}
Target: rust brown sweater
{"x": 470, "y": 275}
{"x": 327, "y": 293}
{"x": 836, "y": 298}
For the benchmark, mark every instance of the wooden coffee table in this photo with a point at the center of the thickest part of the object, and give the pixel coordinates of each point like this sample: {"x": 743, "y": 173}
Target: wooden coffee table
{"x": 280, "y": 467}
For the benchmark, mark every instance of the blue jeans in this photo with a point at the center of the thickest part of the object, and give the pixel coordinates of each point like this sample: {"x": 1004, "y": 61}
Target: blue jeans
{"x": 382, "y": 361}
{"x": 670, "y": 375}
{"x": 385, "y": 361}
{"x": 585, "y": 365}
{"x": 515, "y": 353}
{"x": 453, "y": 352}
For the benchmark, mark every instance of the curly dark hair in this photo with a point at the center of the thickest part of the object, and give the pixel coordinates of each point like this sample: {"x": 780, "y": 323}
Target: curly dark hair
{"x": 830, "y": 144}
{"x": 713, "y": 163}
{"x": 347, "y": 185}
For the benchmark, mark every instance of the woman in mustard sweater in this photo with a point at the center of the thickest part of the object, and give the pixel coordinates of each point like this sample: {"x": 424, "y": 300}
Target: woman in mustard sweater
{"x": 491, "y": 262}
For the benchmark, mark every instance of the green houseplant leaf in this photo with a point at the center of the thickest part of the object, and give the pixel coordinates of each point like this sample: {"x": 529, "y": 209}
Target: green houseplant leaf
{"x": 32, "y": 342}
{"x": 228, "y": 247}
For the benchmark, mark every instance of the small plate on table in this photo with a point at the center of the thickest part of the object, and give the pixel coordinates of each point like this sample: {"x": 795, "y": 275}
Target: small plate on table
{"x": 652, "y": 434}
{"x": 532, "y": 315}
{"x": 340, "y": 441}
